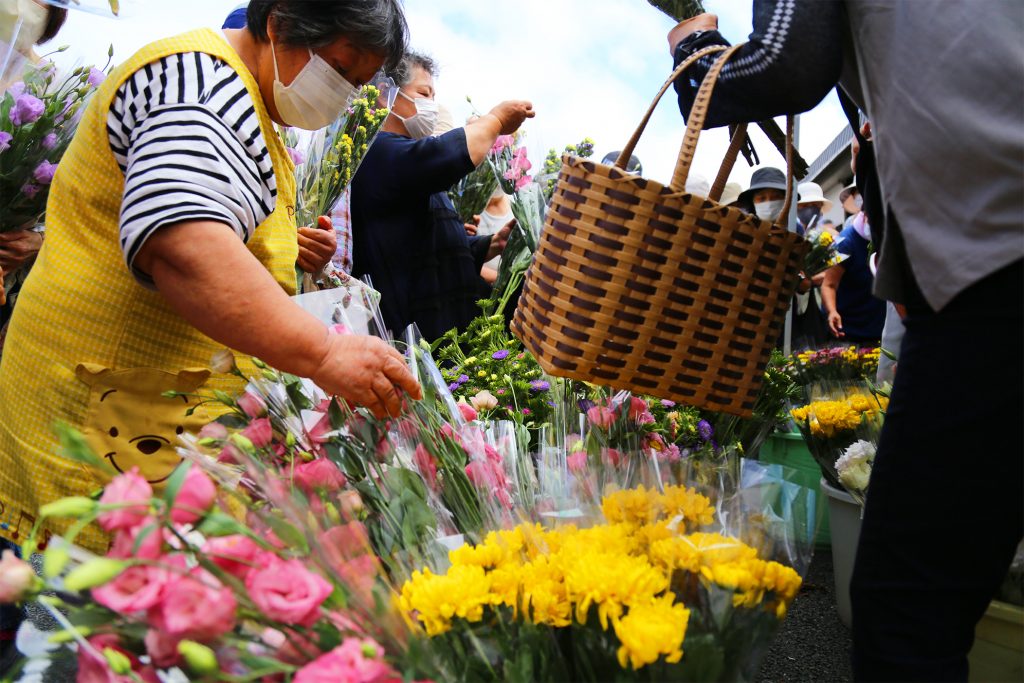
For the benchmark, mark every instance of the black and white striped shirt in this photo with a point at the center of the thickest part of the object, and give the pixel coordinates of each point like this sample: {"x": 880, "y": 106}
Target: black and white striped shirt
{"x": 186, "y": 135}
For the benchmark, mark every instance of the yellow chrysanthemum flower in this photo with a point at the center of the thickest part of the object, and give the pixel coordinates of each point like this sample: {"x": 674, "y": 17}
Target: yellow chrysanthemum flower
{"x": 652, "y": 630}
{"x": 463, "y": 593}
{"x": 611, "y": 582}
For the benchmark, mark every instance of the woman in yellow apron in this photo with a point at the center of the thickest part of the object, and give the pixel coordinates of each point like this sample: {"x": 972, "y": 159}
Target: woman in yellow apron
{"x": 170, "y": 237}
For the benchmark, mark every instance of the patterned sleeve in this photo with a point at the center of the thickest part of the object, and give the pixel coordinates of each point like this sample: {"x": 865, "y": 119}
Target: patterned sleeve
{"x": 187, "y": 138}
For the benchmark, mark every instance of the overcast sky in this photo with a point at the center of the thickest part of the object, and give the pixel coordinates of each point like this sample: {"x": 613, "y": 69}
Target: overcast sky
{"x": 591, "y": 67}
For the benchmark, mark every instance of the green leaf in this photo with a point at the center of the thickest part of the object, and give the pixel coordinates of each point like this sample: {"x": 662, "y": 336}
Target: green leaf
{"x": 217, "y": 524}
{"x": 175, "y": 482}
{"x": 74, "y": 446}
{"x": 288, "y": 533}
{"x": 232, "y": 421}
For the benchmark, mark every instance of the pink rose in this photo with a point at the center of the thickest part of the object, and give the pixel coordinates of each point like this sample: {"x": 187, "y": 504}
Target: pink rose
{"x": 150, "y": 547}
{"x": 230, "y": 455}
{"x": 259, "y": 432}
{"x": 503, "y": 497}
{"x": 252, "y": 405}
{"x": 425, "y": 464}
{"x": 600, "y": 416}
{"x": 135, "y": 589}
{"x": 354, "y": 661}
{"x": 288, "y": 592}
{"x": 162, "y": 648}
{"x": 577, "y": 461}
{"x": 612, "y": 457}
{"x": 318, "y": 475}
{"x": 234, "y": 554}
{"x": 129, "y": 487}
{"x": 344, "y": 542}
{"x": 16, "y": 578}
{"x": 195, "y": 606}
{"x": 492, "y": 454}
{"x": 485, "y": 474}
{"x": 195, "y": 497}
{"x": 468, "y": 412}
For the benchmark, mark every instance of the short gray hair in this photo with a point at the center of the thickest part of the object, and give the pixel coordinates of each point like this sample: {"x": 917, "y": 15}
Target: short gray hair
{"x": 404, "y": 71}
{"x": 375, "y": 25}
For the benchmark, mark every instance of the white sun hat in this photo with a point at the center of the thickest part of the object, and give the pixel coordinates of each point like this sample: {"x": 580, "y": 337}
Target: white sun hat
{"x": 811, "y": 192}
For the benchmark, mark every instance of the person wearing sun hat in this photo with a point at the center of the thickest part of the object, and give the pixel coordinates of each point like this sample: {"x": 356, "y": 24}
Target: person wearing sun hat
{"x": 766, "y": 194}
{"x": 812, "y": 207}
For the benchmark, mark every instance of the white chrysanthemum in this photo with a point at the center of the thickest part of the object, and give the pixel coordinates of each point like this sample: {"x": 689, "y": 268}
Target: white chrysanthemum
{"x": 854, "y": 466}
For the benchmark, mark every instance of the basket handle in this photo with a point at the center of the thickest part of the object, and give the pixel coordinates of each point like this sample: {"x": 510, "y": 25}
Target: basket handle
{"x": 627, "y": 151}
{"x": 738, "y": 138}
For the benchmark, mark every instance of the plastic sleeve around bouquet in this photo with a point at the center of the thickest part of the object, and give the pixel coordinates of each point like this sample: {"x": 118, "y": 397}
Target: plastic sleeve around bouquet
{"x": 351, "y": 307}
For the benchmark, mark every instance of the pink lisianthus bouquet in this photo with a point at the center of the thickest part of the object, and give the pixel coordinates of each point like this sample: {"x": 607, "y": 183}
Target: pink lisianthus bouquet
{"x": 38, "y": 118}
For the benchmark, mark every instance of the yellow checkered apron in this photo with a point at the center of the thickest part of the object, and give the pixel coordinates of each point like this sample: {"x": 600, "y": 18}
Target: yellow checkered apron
{"x": 91, "y": 347}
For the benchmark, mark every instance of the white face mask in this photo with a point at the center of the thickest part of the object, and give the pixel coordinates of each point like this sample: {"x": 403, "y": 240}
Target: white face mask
{"x": 315, "y": 97}
{"x": 769, "y": 211}
{"x": 422, "y": 123}
{"x": 22, "y": 23}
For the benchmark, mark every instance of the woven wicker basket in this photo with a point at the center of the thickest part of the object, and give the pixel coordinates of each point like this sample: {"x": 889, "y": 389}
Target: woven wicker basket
{"x": 644, "y": 287}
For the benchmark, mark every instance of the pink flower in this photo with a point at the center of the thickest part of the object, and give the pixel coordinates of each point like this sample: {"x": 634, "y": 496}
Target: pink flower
{"x": 27, "y": 109}
{"x": 162, "y": 648}
{"x": 613, "y": 457}
{"x": 5, "y": 140}
{"x": 425, "y": 464}
{"x": 344, "y": 542}
{"x": 214, "y": 430}
{"x": 339, "y": 329}
{"x": 136, "y": 589}
{"x": 195, "y": 497}
{"x": 16, "y": 578}
{"x": 44, "y": 172}
{"x": 259, "y": 432}
{"x": 492, "y": 454}
{"x": 354, "y": 661}
{"x": 150, "y": 547}
{"x": 600, "y": 416}
{"x": 468, "y": 412}
{"x": 230, "y": 455}
{"x": 503, "y": 497}
{"x": 196, "y": 607}
{"x": 288, "y": 592}
{"x": 319, "y": 475}
{"x": 234, "y": 554}
{"x": 523, "y": 182}
{"x": 129, "y": 489}
{"x": 93, "y": 669}
{"x": 298, "y": 158}
{"x": 577, "y": 461}
{"x": 485, "y": 474}
{"x": 252, "y": 405}
{"x": 502, "y": 142}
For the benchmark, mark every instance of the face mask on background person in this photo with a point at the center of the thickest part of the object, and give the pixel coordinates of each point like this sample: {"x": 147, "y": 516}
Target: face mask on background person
{"x": 315, "y": 97}
{"x": 422, "y": 123}
{"x": 807, "y": 214}
{"x": 858, "y": 201}
{"x": 769, "y": 211}
{"x": 22, "y": 23}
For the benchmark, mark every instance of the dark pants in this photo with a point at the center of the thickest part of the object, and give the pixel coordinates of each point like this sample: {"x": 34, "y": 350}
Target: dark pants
{"x": 945, "y": 510}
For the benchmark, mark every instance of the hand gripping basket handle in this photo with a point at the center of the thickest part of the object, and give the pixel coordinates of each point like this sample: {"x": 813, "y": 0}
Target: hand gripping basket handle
{"x": 695, "y": 124}
{"x": 627, "y": 151}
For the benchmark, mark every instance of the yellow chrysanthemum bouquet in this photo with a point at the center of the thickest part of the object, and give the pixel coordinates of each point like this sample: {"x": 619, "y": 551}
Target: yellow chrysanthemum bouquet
{"x": 839, "y": 415}
{"x": 651, "y": 592}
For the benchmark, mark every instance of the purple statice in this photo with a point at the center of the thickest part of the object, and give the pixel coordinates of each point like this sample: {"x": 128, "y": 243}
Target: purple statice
{"x": 453, "y": 386}
{"x": 665, "y": 403}
{"x": 27, "y": 109}
{"x": 96, "y": 77}
{"x": 705, "y": 430}
{"x": 49, "y": 141}
{"x": 5, "y": 140}
{"x": 44, "y": 172}
{"x": 539, "y": 385}
{"x": 462, "y": 379}
{"x": 30, "y": 190}
{"x": 500, "y": 355}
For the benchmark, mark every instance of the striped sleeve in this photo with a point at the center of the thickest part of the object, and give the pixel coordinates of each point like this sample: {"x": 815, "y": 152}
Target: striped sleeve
{"x": 186, "y": 135}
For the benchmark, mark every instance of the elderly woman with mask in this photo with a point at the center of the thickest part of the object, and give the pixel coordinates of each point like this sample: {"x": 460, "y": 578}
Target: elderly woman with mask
{"x": 170, "y": 237}
{"x": 406, "y": 233}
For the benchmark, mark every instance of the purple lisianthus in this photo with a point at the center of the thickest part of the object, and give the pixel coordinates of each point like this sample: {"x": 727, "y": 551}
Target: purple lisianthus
{"x": 49, "y": 141}
{"x": 462, "y": 379}
{"x": 30, "y": 190}
{"x": 27, "y": 109}
{"x": 705, "y": 430}
{"x": 500, "y": 355}
{"x": 453, "y": 386}
{"x": 96, "y": 77}
{"x": 665, "y": 403}
{"x": 44, "y": 172}
{"x": 298, "y": 158}
{"x": 539, "y": 385}
{"x": 5, "y": 140}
